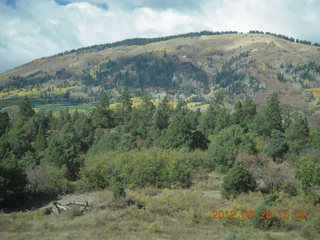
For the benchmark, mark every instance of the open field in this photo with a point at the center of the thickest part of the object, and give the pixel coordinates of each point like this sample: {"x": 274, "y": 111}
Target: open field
{"x": 168, "y": 214}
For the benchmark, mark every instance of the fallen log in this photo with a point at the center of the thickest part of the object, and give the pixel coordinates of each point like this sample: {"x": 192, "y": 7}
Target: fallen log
{"x": 58, "y": 208}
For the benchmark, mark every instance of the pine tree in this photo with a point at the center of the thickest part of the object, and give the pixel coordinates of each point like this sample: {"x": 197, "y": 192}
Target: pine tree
{"x": 227, "y": 144}
{"x": 147, "y": 106}
{"x": 244, "y": 112}
{"x": 40, "y": 142}
{"x": 216, "y": 117}
{"x": 139, "y": 125}
{"x": 277, "y": 145}
{"x": 207, "y": 121}
{"x": 102, "y": 115}
{"x": 238, "y": 180}
{"x": 25, "y": 109}
{"x": 238, "y": 115}
{"x": 222, "y": 119}
{"x": 316, "y": 138}
{"x": 298, "y": 134}
{"x": 178, "y": 133}
{"x": 4, "y": 122}
{"x": 125, "y": 104}
{"x": 249, "y": 108}
{"x": 84, "y": 132}
{"x": 162, "y": 114}
{"x": 272, "y": 114}
{"x": 63, "y": 150}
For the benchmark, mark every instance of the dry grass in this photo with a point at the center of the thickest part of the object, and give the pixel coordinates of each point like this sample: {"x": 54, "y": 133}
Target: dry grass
{"x": 168, "y": 214}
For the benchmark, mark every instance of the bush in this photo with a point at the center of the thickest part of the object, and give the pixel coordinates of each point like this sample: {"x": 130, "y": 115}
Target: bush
{"x": 263, "y": 218}
{"x": 154, "y": 168}
{"x": 267, "y": 222}
{"x": 290, "y": 188}
{"x": 237, "y": 180}
{"x": 271, "y": 175}
{"x": 118, "y": 190}
{"x": 227, "y": 144}
{"x": 47, "y": 179}
{"x": 12, "y": 185}
{"x": 308, "y": 172}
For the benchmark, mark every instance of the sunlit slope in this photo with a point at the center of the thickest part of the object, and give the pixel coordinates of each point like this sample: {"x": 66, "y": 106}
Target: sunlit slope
{"x": 250, "y": 64}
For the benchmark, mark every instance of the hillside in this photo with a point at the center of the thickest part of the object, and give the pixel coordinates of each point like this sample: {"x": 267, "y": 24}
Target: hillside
{"x": 134, "y": 166}
{"x": 242, "y": 64}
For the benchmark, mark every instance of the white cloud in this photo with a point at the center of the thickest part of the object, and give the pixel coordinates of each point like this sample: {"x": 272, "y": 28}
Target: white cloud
{"x": 37, "y": 28}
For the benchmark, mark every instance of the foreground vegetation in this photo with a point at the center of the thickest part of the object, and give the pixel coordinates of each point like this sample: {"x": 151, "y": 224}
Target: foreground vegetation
{"x": 181, "y": 165}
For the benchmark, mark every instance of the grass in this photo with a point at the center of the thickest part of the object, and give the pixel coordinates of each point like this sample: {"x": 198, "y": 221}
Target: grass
{"x": 168, "y": 214}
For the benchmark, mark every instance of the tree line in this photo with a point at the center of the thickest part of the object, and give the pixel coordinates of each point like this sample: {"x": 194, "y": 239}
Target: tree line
{"x": 144, "y": 41}
{"x": 160, "y": 146}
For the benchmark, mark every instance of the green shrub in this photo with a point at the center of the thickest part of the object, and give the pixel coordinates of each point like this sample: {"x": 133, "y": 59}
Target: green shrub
{"x": 48, "y": 179}
{"x": 237, "y": 180}
{"x": 308, "y": 172}
{"x": 154, "y": 167}
{"x": 290, "y": 188}
{"x": 118, "y": 190}
{"x": 225, "y": 146}
{"x": 94, "y": 177}
{"x": 263, "y": 217}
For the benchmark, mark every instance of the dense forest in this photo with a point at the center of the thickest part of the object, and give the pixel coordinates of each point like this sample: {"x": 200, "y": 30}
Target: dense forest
{"x": 45, "y": 154}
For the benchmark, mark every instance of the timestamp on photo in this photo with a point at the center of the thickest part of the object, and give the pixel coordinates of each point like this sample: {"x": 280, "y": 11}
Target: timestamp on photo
{"x": 250, "y": 214}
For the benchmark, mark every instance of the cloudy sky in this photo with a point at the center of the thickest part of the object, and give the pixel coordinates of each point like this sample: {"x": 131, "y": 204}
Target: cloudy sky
{"x": 32, "y": 29}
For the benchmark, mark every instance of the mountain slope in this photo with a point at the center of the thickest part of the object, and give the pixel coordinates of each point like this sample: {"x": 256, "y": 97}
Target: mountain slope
{"x": 242, "y": 64}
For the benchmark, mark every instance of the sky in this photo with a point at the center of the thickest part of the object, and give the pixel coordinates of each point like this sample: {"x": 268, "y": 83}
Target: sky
{"x": 31, "y": 29}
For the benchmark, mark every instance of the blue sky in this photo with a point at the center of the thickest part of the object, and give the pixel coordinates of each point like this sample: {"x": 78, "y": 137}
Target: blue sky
{"x": 32, "y": 29}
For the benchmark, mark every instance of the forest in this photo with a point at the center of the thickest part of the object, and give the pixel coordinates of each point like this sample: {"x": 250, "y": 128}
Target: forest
{"x": 269, "y": 151}
{"x": 68, "y": 145}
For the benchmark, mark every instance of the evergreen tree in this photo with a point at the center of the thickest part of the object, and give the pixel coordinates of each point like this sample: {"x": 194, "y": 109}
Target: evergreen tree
{"x": 193, "y": 118}
{"x": 162, "y": 114}
{"x": 63, "y": 118}
{"x": 38, "y": 121}
{"x": 102, "y": 114}
{"x": 178, "y": 133}
{"x": 25, "y": 109}
{"x": 40, "y": 143}
{"x": 18, "y": 140}
{"x": 147, "y": 106}
{"x": 316, "y": 138}
{"x": 258, "y": 125}
{"x": 227, "y": 144}
{"x": 244, "y": 112}
{"x": 298, "y": 134}
{"x": 4, "y": 122}
{"x": 125, "y": 104}
{"x": 249, "y": 108}
{"x": 272, "y": 114}
{"x": 277, "y": 145}
{"x": 63, "y": 150}
{"x": 222, "y": 119}
{"x": 307, "y": 172}
{"x": 12, "y": 183}
{"x": 207, "y": 121}
{"x": 238, "y": 115}
{"x": 84, "y": 132}
{"x": 238, "y": 180}
{"x": 216, "y": 117}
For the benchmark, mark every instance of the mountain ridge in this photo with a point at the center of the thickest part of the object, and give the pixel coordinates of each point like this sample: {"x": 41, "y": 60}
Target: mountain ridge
{"x": 250, "y": 64}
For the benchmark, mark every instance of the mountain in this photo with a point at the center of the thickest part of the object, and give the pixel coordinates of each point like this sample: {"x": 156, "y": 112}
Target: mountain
{"x": 196, "y": 64}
